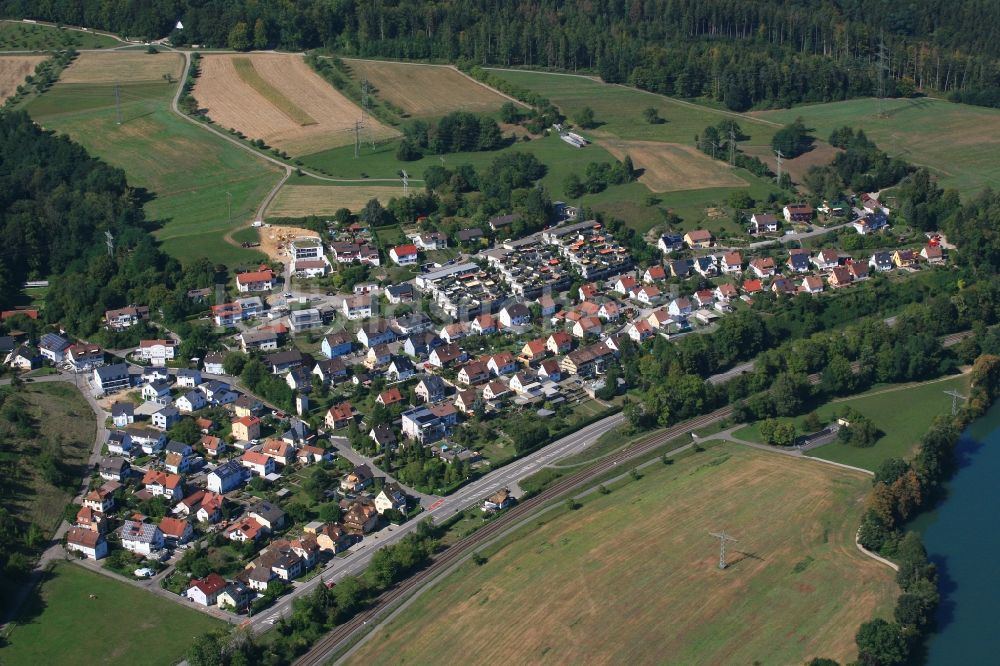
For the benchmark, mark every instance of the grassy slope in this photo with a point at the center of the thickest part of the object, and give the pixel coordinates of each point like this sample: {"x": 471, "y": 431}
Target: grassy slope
{"x": 902, "y": 412}
{"x": 17, "y": 36}
{"x": 59, "y": 411}
{"x": 958, "y": 142}
{"x": 631, "y": 577}
{"x": 187, "y": 169}
{"x": 123, "y": 625}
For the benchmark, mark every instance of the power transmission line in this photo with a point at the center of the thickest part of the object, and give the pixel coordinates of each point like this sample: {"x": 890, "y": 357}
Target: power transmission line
{"x": 111, "y": 243}
{"x": 883, "y": 67}
{"x": 955, "y": 397}
{"x": 723, "y": 538}
{"x": 732, "y": 146}
{"x": 779, "y": 157}
{"x": 406, "y": 183}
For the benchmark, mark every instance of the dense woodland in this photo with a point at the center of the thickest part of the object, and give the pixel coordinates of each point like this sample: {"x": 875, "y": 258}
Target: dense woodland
{"x": 766, "y": 53}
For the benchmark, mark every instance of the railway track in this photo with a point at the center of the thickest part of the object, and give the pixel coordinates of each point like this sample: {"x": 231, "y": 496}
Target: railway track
{"x": 325, "y": 648}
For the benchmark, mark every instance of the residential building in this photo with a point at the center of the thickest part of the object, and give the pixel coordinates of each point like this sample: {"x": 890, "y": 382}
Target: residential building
{"x": 339, "y": 416}
{"x": 391, "y": 498}
{"x": 252, "y": 281}
{"x": 389, "y": 397}
{"x": 330, "y": 371}
{"x": 157, "y": 352}
{"x": 191, "y": 401}
{"x": 89, "y": 542}
{"x": 881, "y": 262}
{"x": 246, "y": 428}
{"x": 205, "y": 591}
{"x": 383, "y": 436}
{"x": 114, "y": 469}
{"x": 799, "y": 212}
{"x": 497, "y": 501}
{"x": 141, "y": 538}
{"x": 824, "y": 260}
{"x": 264, "y": 339}
{"x": 358, "y": 306}
{"x": 176, "y": 531}
{"x": 429, "y": 424}
{"x": 587, "y": 361}
{"x": 258, "y": 463}
{"x": 122, "y": 413}
{"x": 82, "y": 357}
{"x": 376, "y": 333}
{"x": 165, "y": 417}
{"x": 763, "y": 267}
{"x": 430, "y": 388}
{"x": 284, "y": 361}
{"x": 53, "y": 347}
{"x": 305, "y": 320}
{"x": 763, "y": 223}
{"x": 357, "y": 479}
{"x": 360, "y": 518}
{"x": 226, "y": 477}
{"x": 732, "y": 262}
{"x": 337, "y": 344}
{"x": 404, "y": 255}
{"x": 670, "y": 243}
{"x": 698, "y": 239}
{"x": 123, "y": 318}
{"x": 213, "y": 363}
{"x": 473, "y": 372}
{"x": 161, "y": 483}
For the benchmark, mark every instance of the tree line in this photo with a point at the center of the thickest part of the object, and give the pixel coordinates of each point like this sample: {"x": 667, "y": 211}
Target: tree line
{"x": 768, "y": 53}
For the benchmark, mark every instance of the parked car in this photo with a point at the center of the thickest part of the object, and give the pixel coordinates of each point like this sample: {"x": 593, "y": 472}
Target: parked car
{"x": 144, "y": 572}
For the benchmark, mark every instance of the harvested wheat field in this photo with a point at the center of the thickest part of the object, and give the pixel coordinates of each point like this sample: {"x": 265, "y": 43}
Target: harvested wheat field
{"x": 632, "y": 577}
{"x": 123, "y": 67}
{"x": 279, "y": 99}
{"x": 670, "y": 167}
{"x": 427, "y": 90}
{"x": 302, "y": 200}
{"x": 13, "y": 69}
{"x": 821, "y": 154}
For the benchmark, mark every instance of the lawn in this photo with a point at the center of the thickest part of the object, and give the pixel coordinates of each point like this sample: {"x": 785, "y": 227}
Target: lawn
{"x": 122, "y": 625}
{"x": 188, "y": 171}
{"x": 632, "y": 576}
{"x": 17, "y": 36}
{"x": 956, "y": 141}
{"x": 903, "y": 412}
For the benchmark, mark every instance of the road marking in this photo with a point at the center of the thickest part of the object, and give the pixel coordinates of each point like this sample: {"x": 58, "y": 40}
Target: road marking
{"x": 435, "y": 505}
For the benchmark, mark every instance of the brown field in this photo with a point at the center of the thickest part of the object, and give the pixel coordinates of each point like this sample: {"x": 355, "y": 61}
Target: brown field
{"x": 632, "y": 577}
{"x": 13, "y": 69}
{"x": 302, "y": 200}
{"x": 821, "y": 155}
{"x": 426, "y": 90}
{"x": 122, "y": 67}
{"x": 670, "y": 167}
{"x": 233, "y": 102}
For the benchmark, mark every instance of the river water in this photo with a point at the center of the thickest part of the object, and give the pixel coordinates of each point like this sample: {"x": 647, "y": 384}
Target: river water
{"x": 962, "y": 536}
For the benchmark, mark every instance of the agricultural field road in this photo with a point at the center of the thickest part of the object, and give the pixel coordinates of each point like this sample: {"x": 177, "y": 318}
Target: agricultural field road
{"x": 175, "y": 106}
{"x": 441, "y": 510}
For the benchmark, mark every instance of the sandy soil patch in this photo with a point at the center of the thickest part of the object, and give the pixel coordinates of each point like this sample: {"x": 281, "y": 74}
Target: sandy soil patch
{"x": 426, "y": 90}
{"x": 13, "y": 69}
{"x": 274, "y": 240}
{"x": 669, "y": 167}
{"x": 301, "y": 200}
{"x": 122, "y": 67}
{"x": 233, "y": 103}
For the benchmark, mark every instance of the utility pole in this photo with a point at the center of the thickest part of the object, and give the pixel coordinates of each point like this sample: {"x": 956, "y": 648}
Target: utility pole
{"x": 111, "y": 243}
{"x": 955, "y": 397}
{"x": 723, "y": 538}
{"x": 779, "y": 158}
{"x": 364, "y": 98}
{"x": 406, "y": 183}
{"x": 883, "y": 67}
{"x": 118, "y": 104}
{"x": 732, "y": 146}
{"x": 229, "y": 207}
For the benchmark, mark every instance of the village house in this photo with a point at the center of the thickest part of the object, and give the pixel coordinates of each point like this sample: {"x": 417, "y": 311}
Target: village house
{"x": 726, "y": 292}
{"x": 244, "y": 529}
{"x": 339, "y": 416}
{"x": 932, "y": 254}
{"x": 141, "y": 538}
{"x": 376, "y": 333}
{"x": 429, "y": 424}
{"x": 452, "y": 332}
{"x": 389, "y": 397}
{"x": 587, "y": 327}
{"x": 502, "y": 363}
{"x": 214, "y": 446}
{"x": 253, "y": 281}
{"x": 82, "y": 357}
{"x": 114, "y": 469}
{"x": 391, "y": 498}
{"x": 430, "y": 388}
{"x": 226, "y": 477}
{"x": 360, "y": 518}
{"x": 383, "y": 435}
{"x": 839, "y": 277}
{"x": 654, "y": 273}
{"x": 246, "y": 428}
{"x": 53, "y": 347}
{"x": 798, "y": 261}
{"x": 587, "y": 361}
{"x": 763, "y": 267}
{"x": 400, "y": 369}
{"x": 680, "y": 307}
{"x": 399, "y": 293}
{"x": 698, "y": 239}
{"x": 165, "y": 417}
{"x": 263, "y": 339}
{"x": 336, "y": 344}
{"x": 824, "y": 260}
{"x": 157, "y": 352}
{"x": 278, "y": 450}
{"x": 881, "y": 262}
{"x": 123, "y": 318}
{"x": 496, "y": 389}
{"x": 763, "y": 223}
{"x": 188, "y": 378}
{"x": 404, "y": 255}
{"x": 799, "y": 212}
{"x": 559, "y": 342}
{"x": 858, "y": 270}
{"x": 122, "y": 414}
{"x": 205, "y": 591}
{"x": 162, "y": 483}
{"x": 707, "y": 267}
{"x": 445, "y": 355}
{"x": 191, "y": 401}
{"x": 473, "y": 372}
{"x": 258, "y": 463}
{"x": 640, "y": 331}
{"x": 175, "y": 531}
{"x": 358, "y": 306}
{"x": 299, "y": 379}
{"x": 484, "y": 324}
{"x": 90, "y": 543}
{"x": 497, "y": 501}
{"x": 357, "y": 479}
{"x": 533, "y": 350}
{"x": 515, "y": 314}
{"x": 213, "y": 364}
{"x": 904, "y": 258}
{"x": 811, "y": 284}
{"x": 732, "y": 262}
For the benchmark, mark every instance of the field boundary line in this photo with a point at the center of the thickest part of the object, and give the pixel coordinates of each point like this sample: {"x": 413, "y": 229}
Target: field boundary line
{"x": 174, "y": 106}
{"x": 672, "y": 100}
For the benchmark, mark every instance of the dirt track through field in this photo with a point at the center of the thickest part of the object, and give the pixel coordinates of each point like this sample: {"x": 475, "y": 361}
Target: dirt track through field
{"x": 670, "y": 167}
{"x": 232, "y": 103}
{"x": 13, "y": 70}
{"x": 426, "y": 90}
{"x": 122, "y": 67}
